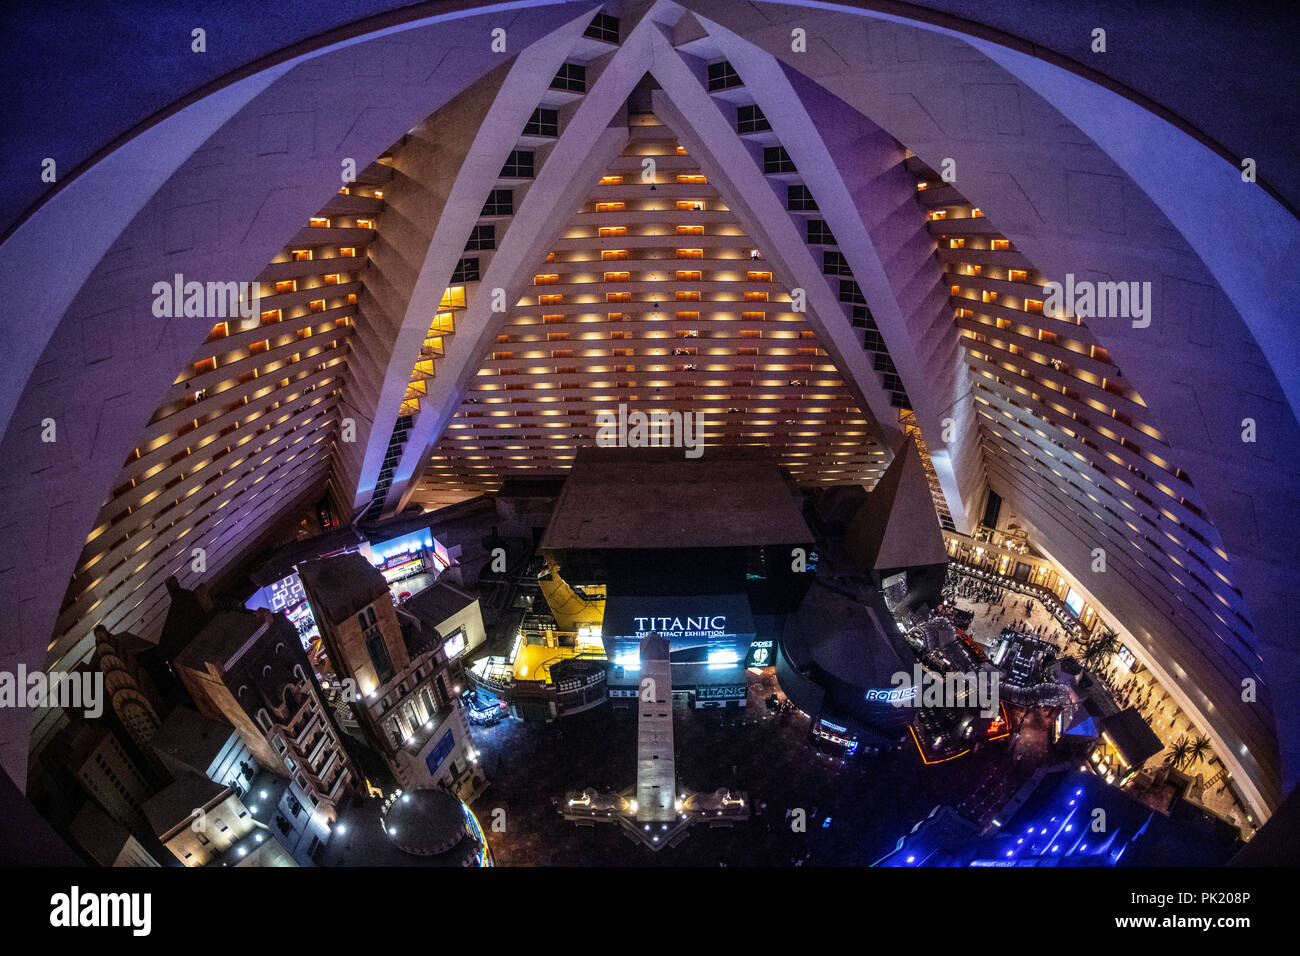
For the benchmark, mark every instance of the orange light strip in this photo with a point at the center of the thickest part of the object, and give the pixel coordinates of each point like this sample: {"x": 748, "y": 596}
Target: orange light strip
{"x": 1005, "y": 720}
{"x": 924, "y": 760}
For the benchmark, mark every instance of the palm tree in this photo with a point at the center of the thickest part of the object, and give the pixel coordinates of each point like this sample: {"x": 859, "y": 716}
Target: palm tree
{"x": 1098, "y": 649}
{"x": 1198, "y": 751}
{"x": 1178, "y": 754}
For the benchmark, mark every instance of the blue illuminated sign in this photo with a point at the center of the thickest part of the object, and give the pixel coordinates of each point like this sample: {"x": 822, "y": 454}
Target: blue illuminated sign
{"x": 893, "y": 694}
{"x": 440, "y": 753}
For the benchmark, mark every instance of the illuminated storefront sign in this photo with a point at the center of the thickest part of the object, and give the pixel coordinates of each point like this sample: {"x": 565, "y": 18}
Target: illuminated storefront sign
{"x": 761, "y": 654}
{"x": 711, "y": 629}
{"x": 893, "y": 694}
{"x": 721, "y": 692}
{"x": 401, "y": 561}
{"x": 636, "y": 616}
{"x": 671, "y": 627}
{"x": 407, "y": 553}
{"x": 836, "y": 735}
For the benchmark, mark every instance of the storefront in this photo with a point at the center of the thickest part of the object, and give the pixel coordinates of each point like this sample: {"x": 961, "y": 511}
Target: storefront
{"x": 288, "y": 597}
{"x": 836, "y": 735}
{"x": 721, "y": 695}
{"x": 711, "y": 642}
{"x": 402, "y": 558}
{"x": 702, "y": 629}
{"x": 1126, "y": 743}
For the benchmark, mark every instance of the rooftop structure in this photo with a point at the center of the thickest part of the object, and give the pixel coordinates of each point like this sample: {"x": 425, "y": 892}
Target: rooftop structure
{"x": 656, "y": 498}
{"x": 342, "y": 585}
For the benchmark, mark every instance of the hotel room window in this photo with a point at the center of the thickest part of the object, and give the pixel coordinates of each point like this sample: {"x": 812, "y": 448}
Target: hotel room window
{"x": 603, "y": 27}
{"x": 834, "y": 264}
{"x": 799, "y": 198}
{"x": 500, "y": 202}
{"x": 723, "y": 76}
{"x": 777, "y": 160}
{"x": 482, "y": 237}
{"x": 571, "y": 77}
{"x": 543, "y": 122}
{"x": 518, "y": 165}
{"x": 466, "y": 271}
{"x": 851, "y": 292}
{"x": 819, "y": 234}
{"x": 750, "y": 119}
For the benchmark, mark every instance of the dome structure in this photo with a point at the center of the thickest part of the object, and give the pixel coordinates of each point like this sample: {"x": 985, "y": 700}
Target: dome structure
{"x": 435, "y": 824}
